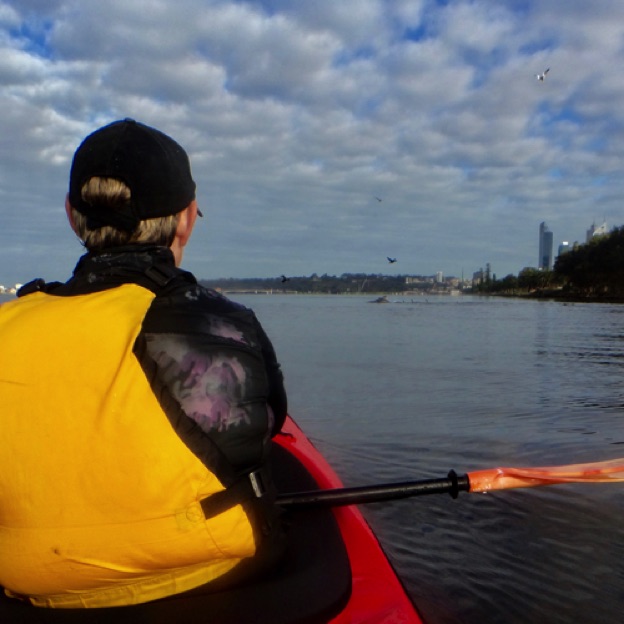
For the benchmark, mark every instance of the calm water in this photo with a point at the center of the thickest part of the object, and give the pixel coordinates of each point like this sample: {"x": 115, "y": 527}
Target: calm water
{"x": 410, "y": 390}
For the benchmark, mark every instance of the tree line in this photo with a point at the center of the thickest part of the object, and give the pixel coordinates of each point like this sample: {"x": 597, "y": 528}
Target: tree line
{"x": 347, "y": 283}
{"x": 594, "y": 270}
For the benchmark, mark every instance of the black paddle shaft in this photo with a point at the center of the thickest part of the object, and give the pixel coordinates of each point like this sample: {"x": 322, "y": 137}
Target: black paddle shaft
{"x": 452, "y": 484}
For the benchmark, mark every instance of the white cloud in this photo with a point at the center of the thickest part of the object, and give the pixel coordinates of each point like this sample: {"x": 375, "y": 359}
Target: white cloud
{"x": 297, "y": 114}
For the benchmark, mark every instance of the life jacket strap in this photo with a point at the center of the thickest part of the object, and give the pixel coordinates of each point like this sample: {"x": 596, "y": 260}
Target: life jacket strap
{"x": 251, "y": 487}
{"x": 257, "y": 494}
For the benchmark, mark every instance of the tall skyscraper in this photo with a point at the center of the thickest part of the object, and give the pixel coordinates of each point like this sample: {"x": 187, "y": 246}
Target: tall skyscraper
{"x": 545, "y": 261}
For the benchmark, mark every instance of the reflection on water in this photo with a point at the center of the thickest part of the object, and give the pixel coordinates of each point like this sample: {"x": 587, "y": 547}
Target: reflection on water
{"x": 409, "y": 390}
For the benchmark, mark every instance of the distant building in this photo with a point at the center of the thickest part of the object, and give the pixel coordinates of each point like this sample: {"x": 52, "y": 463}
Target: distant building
{"x": 478, "y": 277}
{"x": 439, "y": 277}
{"x": 563, "y": 248}
{"x": 545, "y": 261}
{"x": 415, "y": 280}
{"x": 596, "y": 231}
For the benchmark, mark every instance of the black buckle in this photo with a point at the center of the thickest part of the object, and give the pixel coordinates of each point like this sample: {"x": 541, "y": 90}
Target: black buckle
{"x": 258, "y": 486}
{"x": 249, "y": 487}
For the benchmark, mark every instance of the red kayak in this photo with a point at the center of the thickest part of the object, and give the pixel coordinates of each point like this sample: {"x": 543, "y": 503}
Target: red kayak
{"x": 334, "y": 570}
{"x": 377, "y": 595}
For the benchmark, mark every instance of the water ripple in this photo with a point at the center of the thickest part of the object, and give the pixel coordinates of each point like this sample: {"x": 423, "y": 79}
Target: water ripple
{"x": 391, "y": 393}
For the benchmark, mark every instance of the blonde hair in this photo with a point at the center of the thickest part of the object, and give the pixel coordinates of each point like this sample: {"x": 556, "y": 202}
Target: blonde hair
{"x": 113, "y": 194}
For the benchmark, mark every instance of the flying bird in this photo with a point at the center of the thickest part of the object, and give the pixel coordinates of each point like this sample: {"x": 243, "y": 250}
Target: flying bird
{"x": 542, "y": 75}
{"x": 285, "y": 279}
{"x": 377, "y": 198}
{"x": 391, "y": 260}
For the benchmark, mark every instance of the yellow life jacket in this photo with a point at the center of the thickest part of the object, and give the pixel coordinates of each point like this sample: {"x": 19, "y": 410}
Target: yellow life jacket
{"x": 99, "y": 498}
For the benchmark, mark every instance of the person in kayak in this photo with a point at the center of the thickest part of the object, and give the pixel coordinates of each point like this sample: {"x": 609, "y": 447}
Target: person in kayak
{"x": 138, "y": 406}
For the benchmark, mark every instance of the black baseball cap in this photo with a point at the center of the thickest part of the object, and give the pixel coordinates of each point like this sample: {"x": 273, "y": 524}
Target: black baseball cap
{"x": 152, "y": 165}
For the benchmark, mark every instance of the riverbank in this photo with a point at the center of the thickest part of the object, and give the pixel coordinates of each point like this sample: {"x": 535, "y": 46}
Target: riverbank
{"x": 556, "y": 294}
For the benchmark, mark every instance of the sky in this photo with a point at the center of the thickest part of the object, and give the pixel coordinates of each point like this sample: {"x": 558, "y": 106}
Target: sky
{"x": 324, "y": 135}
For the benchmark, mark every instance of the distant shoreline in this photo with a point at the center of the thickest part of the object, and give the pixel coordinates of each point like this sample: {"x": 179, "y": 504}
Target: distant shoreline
{"x": 550, "y": 295}
{"x": 556, "y": 295}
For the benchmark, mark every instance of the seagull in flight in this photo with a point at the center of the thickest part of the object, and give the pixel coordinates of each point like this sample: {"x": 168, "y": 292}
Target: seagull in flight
{"x": 542, "y": 75}
{"x": 391, "y": 260}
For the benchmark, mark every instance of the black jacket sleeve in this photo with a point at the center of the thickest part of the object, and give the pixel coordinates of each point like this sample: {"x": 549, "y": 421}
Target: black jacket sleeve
{"x": 277, "y": 398}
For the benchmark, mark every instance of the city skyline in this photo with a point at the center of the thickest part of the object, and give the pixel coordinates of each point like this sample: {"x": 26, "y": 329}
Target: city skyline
{"x": 546, "y": 260}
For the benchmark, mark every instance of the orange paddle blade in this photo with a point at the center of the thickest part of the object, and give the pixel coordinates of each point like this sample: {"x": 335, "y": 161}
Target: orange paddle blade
{"x": 508, "y": 478}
